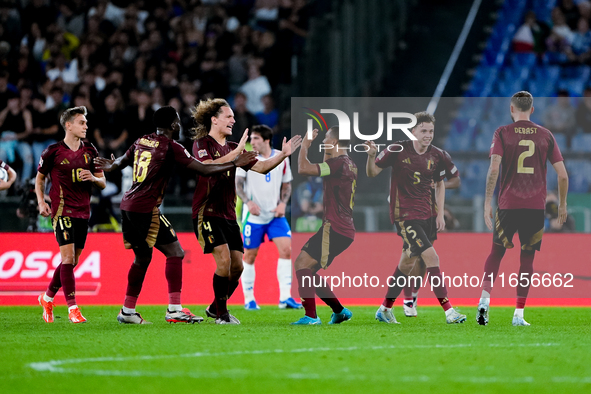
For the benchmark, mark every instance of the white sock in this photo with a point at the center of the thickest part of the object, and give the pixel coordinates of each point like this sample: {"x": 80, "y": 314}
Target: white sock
{"x": 518, "y": 312}
{"x": 76, "y": 306}
{"x": 129, "y": 311}
{"x": 247, "y": 279}
{"x": 485, "y": 298}
{"x": 284, "y": 278}
{"x": 175, "y": 307}
{"x": 383, "y": 308}
{"x": 46, "y": 298}
{"x": 449, "y": 311}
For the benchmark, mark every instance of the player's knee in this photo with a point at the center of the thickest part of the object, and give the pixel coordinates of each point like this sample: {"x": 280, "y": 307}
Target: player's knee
{"x": 68, "y": 260}
{"x": 285, "y": 252}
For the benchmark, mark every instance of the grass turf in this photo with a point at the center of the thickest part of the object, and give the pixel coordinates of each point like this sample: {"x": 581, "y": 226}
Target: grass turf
{"x": 266, "y": 355}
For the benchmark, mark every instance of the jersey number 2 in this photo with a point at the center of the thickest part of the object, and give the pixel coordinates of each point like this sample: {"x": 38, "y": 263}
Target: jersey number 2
{"x": 531, "y": 148}
{"x": 140, "y": 165}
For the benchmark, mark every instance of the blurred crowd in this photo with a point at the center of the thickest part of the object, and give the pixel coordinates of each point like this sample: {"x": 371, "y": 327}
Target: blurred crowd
{"x": 125, "y": 59}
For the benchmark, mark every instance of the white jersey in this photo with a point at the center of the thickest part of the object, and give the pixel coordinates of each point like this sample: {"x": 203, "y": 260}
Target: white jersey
{"x": 265, "y": 189}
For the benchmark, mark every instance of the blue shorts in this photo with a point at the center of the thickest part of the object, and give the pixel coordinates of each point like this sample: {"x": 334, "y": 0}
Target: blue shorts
{"x": 254, "y": 234}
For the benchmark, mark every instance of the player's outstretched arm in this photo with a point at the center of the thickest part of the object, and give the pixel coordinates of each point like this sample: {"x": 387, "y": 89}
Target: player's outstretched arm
{"x": 216, "y": 168}
{"x": 491, "y": 182}
{"x": 11, "y": 178}
{"x": 112, "y": 164}
{"x": 304, "y": 165}
{"x": 371, "y": 168}
{"x": 44, "y": 209}
{"x": 287, "y": 149}
{"x": 562, "y": 190}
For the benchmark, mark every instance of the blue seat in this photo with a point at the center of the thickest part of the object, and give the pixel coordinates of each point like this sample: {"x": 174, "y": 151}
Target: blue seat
{"x": 580, "y": 143}
{"x": 561, "y": 141}
{"x": 523, "y": 59}
{"x": 579, "y": 174}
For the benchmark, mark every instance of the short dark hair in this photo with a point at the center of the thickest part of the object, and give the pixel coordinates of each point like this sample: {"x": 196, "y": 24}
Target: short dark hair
{"x": 424, "y": 117}
{"x": 522, "y": 100}
{"x": 69, "y": 114}
{"x": 264, "y": 131}
{"x": 164, "y": 117}
{"x": 334, "y": 133}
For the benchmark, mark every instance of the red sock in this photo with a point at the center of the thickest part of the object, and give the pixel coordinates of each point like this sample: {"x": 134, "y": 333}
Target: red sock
{"x": 526, "y": 267}
{"x": 174, "y": 276}
{"x": 326, "y": 294}
{"x": 491, "y": 266}
{"x": 440, "y": 290}
{"x": 55, "y": 283}
{"x": 130, "y": 302}
{"x": 220, "y": 290}
{"x": 393, "y": 288}
{"x": 68, "y": 283}
{"x": 135, "y": 280}
{"x": 306, "y": 288}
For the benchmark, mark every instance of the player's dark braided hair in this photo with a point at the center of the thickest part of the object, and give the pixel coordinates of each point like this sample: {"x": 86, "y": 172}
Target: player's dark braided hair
{"x": 202, "y": 114}
{"x": 164, "y": 117}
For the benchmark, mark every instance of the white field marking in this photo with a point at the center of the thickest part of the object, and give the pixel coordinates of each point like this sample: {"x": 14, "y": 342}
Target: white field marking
{"x": 56, "y": 366}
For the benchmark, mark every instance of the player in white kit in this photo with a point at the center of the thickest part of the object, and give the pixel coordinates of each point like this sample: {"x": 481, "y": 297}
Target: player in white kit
{"x": 265, "y": 198}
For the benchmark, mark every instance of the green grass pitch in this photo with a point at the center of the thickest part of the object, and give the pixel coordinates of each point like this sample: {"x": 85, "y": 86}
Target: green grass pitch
{"x": 266, "y": 355}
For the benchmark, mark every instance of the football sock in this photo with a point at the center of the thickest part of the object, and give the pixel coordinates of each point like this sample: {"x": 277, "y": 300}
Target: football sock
{"x": 484, "y": 298}
{"x": 526, "y": 269}
{"x": 407, "y": 291}
{"x": 306, "y": 287}
{"x": 248, "y": 276}
{"x": 174, "y": 276}
{"x": 518, "y": 312}
{"x": 68, "y": 283}
{"x": 46, "y": 298}
{"x": 284, "y": 278}
{"x": 232, "y": 286}
{"x": 326, "y": 294}
{"x": 175, "y": 307}
{"x": 492, "y": 264}
{"x": 127, "y": 309}
{"x": 440, "y": 290}
{"x": 71, "y": 306}
{"x": 55, "y": 283}
{"x": 135, "y": 280}
{"x": 393, "y": 288}
{"x": 220, "y": 290}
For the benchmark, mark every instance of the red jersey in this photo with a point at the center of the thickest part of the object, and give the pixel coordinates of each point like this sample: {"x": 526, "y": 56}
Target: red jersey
{"x": 215, "y": 195}
{"x": 153, "y": 157}
{"x": 70, "y": 196}
{"x": 340, "y": 180}
{"x": 525, "y": 148}
{"x": 411, "y": 196}
{"x": 450, "y": 172}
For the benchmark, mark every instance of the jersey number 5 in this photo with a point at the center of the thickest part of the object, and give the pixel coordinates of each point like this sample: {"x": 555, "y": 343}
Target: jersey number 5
{"x": 140, "y": 165}
{"x": 531, "y": 148}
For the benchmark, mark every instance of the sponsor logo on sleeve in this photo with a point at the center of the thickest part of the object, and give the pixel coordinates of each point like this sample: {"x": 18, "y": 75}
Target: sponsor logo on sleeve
{"x": 202, "y": 153}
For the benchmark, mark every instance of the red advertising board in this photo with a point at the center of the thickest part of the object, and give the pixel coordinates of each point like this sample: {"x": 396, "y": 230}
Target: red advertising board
{"x": 27, "y": 262}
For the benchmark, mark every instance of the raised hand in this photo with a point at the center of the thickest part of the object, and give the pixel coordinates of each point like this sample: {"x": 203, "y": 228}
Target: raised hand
{"x": 292, "y": 145}
{"x": 245, "y": 158}
{"x": 104, "y": 164}
{"x": 243, "y": 140}
{"x": 308, "y": 142}
{"x": 373, "y": 149}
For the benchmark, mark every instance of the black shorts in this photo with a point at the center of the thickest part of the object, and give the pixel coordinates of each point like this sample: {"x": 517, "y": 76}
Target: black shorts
{"x": 212, "y": 231}
{"x": 326, "y": 244}
{"x": 69, "y": 230}
{"x": 146, "y": 230}
{"x": 417, "y": 235}
{"x": 529, "y": 223}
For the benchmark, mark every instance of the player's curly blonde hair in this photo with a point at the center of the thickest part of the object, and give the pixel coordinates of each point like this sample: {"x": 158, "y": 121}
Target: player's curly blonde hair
{"x": 202, "y": 114}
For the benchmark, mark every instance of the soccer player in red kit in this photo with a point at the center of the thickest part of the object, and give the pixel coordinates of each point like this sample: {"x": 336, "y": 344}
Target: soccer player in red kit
{"x": 337, "y": 232}
{"x": 519, "y": 152}
{"x": 153, "y": 157}
{"x": 70, "y": 166}
{"x": 214, "y": 201}
{"x": 415, "y": 165}
{"x": 411, "y": 290}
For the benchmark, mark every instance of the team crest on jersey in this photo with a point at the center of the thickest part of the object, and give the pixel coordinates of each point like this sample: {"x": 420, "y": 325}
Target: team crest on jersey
{"x": 430, "y": 163}
{"x": 86, "y": 158}
{"x": 202, "y": 153}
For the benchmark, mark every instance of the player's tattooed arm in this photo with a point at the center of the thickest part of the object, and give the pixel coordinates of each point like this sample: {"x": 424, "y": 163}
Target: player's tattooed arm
{"x": 491, "y": 182}
{"x": 240, "y": 182}
{"x": 305, "y": 167}
{"x": 285, "y": 194}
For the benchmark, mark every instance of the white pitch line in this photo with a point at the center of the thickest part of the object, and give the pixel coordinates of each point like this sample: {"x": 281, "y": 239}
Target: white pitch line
{"x": 56, "y": 366}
